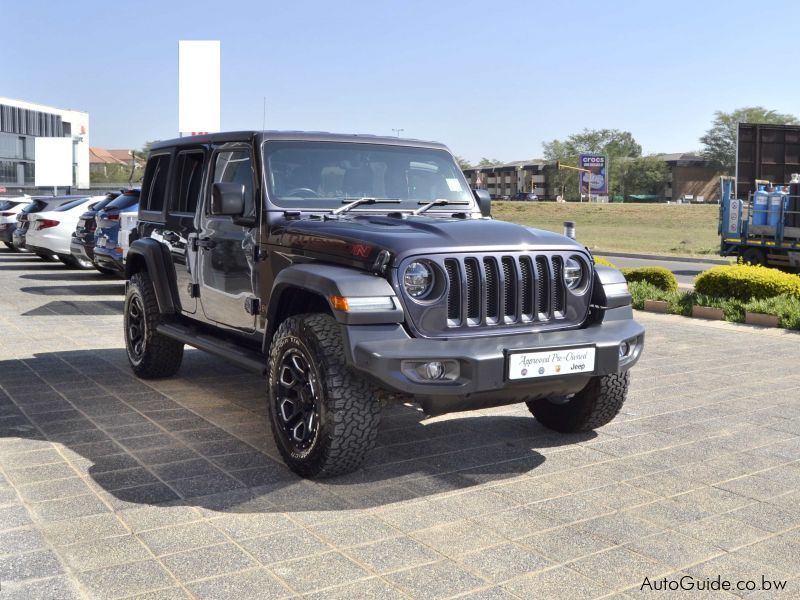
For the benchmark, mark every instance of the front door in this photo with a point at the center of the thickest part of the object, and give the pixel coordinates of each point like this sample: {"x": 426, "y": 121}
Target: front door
{"x": 226, "y": 251}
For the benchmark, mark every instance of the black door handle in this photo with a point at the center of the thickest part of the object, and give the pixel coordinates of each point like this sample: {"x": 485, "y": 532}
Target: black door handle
{"x": 206, "y": 243}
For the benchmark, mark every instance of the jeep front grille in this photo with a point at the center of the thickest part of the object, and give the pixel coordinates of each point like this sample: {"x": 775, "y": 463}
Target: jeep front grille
{"x": 484, "y": 293}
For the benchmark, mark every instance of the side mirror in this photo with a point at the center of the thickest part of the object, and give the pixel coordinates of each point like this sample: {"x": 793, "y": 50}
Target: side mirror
{"x": 484, "y": 202}
{"x": 227, "y": 199}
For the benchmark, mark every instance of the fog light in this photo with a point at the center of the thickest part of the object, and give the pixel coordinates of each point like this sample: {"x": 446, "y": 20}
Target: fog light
{"x": 624, "y": 349}
{"x": 432, "y": 371}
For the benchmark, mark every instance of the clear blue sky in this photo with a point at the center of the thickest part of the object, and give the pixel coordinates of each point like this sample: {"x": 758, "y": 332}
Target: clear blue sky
{"x": 489, "y": 79}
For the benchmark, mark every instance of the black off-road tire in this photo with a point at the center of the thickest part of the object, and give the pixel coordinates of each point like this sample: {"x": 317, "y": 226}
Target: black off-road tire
{"x": 11, "y": 247}
{"x": 594, "y": 406}
{"x": 158, "y": 355}
{"x": 348, "y": 405}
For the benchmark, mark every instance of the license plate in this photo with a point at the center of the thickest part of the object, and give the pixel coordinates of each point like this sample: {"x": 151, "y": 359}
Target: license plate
{"x": 101, "y": 242}
{"x": 550, "y": 363}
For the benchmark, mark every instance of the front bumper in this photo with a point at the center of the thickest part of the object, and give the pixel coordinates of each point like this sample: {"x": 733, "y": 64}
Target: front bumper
{"x": 379, "y": 350}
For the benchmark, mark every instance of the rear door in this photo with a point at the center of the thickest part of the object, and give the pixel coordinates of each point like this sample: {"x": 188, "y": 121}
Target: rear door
{"x": 187, "y": 182}
{"x": 225, "y": 258}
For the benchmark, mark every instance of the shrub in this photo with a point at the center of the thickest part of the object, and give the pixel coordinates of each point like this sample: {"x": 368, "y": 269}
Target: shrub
{"x": 659, "y": 277}
{"x": 745, "y": 282}
{"x": 679, "y": 302}
{"x": 598, "y": 260}
{"x": 787, "y": 308}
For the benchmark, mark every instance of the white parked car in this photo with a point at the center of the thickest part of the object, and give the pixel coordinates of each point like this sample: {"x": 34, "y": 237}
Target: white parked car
{"x": 50, "y": 233}
{"x": 9, "y": 207}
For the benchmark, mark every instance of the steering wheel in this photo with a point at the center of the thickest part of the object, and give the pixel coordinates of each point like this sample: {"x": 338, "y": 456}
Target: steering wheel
{"x": 306, "y": 191}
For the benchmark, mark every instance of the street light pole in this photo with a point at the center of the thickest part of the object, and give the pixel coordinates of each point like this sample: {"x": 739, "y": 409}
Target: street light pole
{"x": 397, "y": 131}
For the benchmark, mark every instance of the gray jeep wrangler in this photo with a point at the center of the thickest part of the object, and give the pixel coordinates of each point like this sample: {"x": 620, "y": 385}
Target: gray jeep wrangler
{"x": 355, "y": 270}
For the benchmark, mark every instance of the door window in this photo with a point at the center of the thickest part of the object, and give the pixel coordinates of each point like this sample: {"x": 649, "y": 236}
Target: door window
{"x": 235, "y": 166}
{"x": 156, "y": 183}
{"x": 189, "y": 180}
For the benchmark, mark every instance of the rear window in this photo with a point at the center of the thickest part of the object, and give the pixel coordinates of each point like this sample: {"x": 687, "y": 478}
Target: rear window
{"x": 103, "y": 203}
{"x": 7, "y": 204}
{"x": 155, "y": 182}
{"x": 69, "y": 205}
{"x": 122, "y": 202}
{"x": 34, "y": 206}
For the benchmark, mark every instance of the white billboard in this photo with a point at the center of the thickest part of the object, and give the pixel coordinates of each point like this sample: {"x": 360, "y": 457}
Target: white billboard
{"x": 53, "y": 161}
{"x": 198, "y": 86}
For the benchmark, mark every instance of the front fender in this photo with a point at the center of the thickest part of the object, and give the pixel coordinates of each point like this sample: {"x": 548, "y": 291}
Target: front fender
{"x": 330, "y": 280}
{"x": 610, "y": 288}
{"x": 148, "y": 254}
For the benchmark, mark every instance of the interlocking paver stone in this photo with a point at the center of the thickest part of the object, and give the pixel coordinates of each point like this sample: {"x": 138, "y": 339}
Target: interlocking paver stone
{"x": 170, "y": 488}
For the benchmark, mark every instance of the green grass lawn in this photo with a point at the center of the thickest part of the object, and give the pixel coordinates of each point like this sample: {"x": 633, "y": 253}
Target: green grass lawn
{"x": 681, "y": 229}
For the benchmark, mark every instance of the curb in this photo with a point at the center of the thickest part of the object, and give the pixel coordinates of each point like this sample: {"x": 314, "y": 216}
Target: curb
{"x": 675, "y": 258}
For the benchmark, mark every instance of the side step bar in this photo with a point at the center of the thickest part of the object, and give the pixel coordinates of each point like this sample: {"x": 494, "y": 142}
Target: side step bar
{"x": 246, "y": 359}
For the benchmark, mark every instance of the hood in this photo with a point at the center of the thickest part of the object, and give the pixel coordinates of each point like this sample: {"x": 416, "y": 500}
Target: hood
{"x": 366, "y": 235}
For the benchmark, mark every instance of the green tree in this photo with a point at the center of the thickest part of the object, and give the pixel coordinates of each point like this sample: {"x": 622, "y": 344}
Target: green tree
{"x": 615, "y": 144}
{"x": 640, "y": 175}
{"x": 719, "y": 142}
{"x": 489, "y": 162}
{"x": 463, "y": 163}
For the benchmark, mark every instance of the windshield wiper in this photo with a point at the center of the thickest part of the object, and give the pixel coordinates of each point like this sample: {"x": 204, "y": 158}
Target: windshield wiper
{"x": 437, "y": 202}
{"x": 359, "y": 201}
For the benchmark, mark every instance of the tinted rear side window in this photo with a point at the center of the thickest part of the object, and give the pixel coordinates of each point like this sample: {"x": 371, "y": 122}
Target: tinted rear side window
{"x": 155, "y": 183}
{"x": 189, "y": 171}
{"x": 7, "y": 204}
{"x": 68, "y": 205}
{"x": 122, "y": 202}
{"x": 102, "y": 204}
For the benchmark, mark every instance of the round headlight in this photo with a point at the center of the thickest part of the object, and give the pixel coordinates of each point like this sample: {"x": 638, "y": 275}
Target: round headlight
{"x": 417, "y": 279}
{"x": 573, "y": 273}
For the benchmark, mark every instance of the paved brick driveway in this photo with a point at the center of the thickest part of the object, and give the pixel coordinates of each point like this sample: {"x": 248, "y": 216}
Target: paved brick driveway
{"x": 113, "y": 487}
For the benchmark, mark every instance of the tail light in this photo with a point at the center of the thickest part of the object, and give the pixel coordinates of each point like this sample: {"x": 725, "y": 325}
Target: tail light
{"x": 45, "y": 223}
{"x": 6, "y": 214}
{"x": 91, "y": 226}
{"x": 112, "y": 217}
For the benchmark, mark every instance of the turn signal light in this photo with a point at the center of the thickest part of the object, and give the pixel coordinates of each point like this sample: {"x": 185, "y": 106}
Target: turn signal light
{"x": 364, "y": 303}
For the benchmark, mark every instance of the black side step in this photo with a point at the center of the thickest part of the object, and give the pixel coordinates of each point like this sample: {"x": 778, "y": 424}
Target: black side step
{"x": 246, "y": 359}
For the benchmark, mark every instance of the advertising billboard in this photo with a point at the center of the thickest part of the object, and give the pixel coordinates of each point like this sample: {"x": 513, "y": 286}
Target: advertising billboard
{"x": 597, "y": 164}
{"x": 198, "y": 86}
{"x": 53, "y": 156}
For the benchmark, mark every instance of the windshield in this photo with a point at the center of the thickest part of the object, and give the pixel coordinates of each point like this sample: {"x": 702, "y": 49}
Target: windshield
{"x": 324, "y": 175}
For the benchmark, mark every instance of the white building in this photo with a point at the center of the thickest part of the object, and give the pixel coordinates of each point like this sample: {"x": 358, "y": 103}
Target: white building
{"x": 22, "y": 122}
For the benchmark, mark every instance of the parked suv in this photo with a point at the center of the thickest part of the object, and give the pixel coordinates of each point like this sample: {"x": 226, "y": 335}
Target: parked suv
{"x": 9, "y": 209}
{"x": 107, "y": 251}
{"x": 83, "y": 238}
{"x": 353, "y": 270}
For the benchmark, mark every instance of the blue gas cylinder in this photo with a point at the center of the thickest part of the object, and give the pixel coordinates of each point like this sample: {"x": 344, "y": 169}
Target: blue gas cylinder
{"x": 776, "y": 198}
{"x": 760, "y": 206}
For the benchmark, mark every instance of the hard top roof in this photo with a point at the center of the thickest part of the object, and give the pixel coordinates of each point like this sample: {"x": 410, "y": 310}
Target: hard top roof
{"x": 257, "y": 136}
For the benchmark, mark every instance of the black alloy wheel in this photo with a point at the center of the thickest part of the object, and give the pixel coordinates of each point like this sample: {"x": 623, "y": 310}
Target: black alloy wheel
{"x": 298, "y": 401}
{"x": 136, "y": 329}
